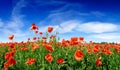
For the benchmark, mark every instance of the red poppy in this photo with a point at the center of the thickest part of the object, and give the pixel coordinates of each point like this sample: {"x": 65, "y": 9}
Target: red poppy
{"x": 117, "y": 49}
{"x": 10, "y": 62}
{"x": 98, "y": 62}
{"x": 50, "y": 29}
{"x": 81, "y": 38}
{"x": 108, "y": 52}
{"x": 60, "y": 61}
{"x": 41, "y": 33}
{"x": 36, "y": 32}
{"x": 9, "y": 55}
{"x": 49, "y": 48}
{"x": 49, "y": 57}
{"x": 23, "y": 48}
{"x": 88, "y": 50}
{"x": 34, "y": 38}
{"x": 35, "y": 46}
{"x": 30, "y": 61}
{"x": 11, "y": 37}
{"x": 74, "y": 39}
{"x": 6, "y": 65}
{"x": 34, "y": 27}
{"x": 95, "y": 49}
{"x": 78, "y": 55}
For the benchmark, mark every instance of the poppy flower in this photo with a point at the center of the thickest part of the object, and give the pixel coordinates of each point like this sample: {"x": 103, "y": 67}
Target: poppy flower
{"x": 49, "y": 48}
{"x": 34, "y": 27}
{"x": 108, "y": 52}
{"x": 74, "y": 39}
{"x": 6, "y": 65}
{"x": 30, "y": 61}
{"x": 88, "y": 50}
{"x": 95, "y": 49}
{"x": 50, "y": 29}
{"x": 23, "y": 49}
{"x": 78, "y": 55}
{"x": 34, "y": 38}
{"x": 60, "y": 61}
{"x": 49, "y": 57}
{"x": 40, "y": 33}
{"x": 81, "y": 39}
{"x": 11, "y": 45}
{"x": 10, "y": 62}
{"x": 117, "y": 49}
{"x": 36, "y": 32}
{"x": 9, "y": 55}
{"x": 98, "y": 62}
{"x": 35, "y": 46}
{"x": 11, "y": 37}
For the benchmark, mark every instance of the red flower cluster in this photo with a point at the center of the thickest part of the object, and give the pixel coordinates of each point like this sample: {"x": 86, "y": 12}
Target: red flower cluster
{"x": 10, "y": 62}
{"x": 10, "y": 59}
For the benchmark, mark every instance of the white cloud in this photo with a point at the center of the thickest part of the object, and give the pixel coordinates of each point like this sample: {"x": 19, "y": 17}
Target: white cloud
{"x": 97, "y": 27}
{"x": 64, "y": 27}
{"x": 90, "y": 27}
{"x": 104, "y": 37}
{"x": 17, "y": 9}
{"x": 68, "y": 26}
{"x": 48, "y": 3}
{"x": 15, "y": 24}
{"x": 107, "y": 36}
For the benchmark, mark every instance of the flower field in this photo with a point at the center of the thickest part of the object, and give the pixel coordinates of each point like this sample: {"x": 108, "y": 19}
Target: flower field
{"x": 48, "y": 53}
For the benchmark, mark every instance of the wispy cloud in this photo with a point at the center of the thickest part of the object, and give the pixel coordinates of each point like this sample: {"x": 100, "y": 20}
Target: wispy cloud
{"x": 68, "y": 6}
{"x": 108, "y": 36}
{"x": 96, "y": 31}
{"x": 68, "y": 26}
{"x": 48, "y": 2}
{"x": 15, "y": 24}
{"x": 64, "y": 27}
{"x": 97, "y": 27}
{"x": 89, "y": 27}
{"x": 104, "y": 37}
{"x": 66, "y": 20}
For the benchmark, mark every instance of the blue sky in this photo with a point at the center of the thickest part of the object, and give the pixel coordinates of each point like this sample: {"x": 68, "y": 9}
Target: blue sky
{"x": 96, "y": 20}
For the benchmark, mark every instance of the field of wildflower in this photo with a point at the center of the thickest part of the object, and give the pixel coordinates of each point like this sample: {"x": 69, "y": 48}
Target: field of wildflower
{"x": 48, "y": 53}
